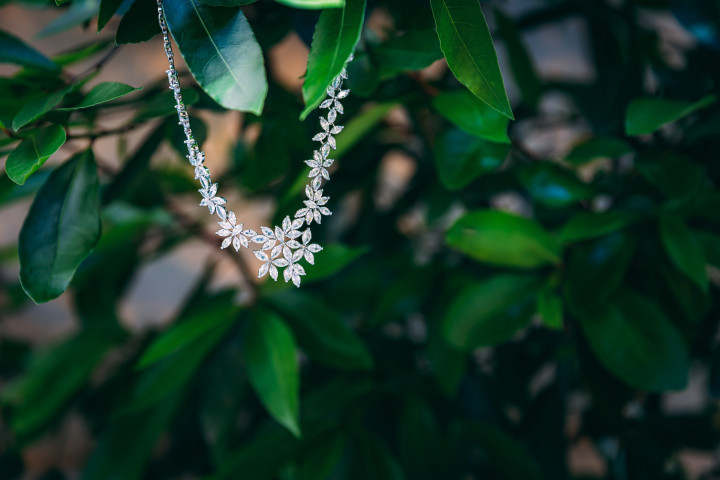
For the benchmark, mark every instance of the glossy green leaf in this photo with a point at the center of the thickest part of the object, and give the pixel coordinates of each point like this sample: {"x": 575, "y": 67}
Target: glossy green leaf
{"x": 320, "y": 332}
{"x": 684, "y": 249}
{"x": 107, "y": 10}
{"x": 272, "y": 367}
{"x": 414, "y": 50}
{"x": 208, "y": 38}
{"x": 33, "y": 151}
{"x": 595, "y": 271}
{"x": 504, "y": 239}
{"x": 15, "y": 51}
{"x": 553, "y": 185}
{"x": 336, "y": 34}
{"x": 550, "y": 308}
{"x": 139, "y": 24}
{"x": 587, "y": 225}
{"x": 36, "y": 107}
{"x": 598, "y": 147}
{"x": 101, "y": 93}
{"x": 468, "y": 47}
{"x": 461, "y": 158}
{"x": 313, "y": 4}
{"x": 634, "y": 339}
{"x": 645, "y": 115}
{"x": 490, "y": 312}
{"x": 472, "y": 115}
{"x": 61, "y": 228}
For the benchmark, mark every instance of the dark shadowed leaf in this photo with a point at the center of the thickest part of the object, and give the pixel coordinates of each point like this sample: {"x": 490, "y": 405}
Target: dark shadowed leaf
{"x": 33, "y": 151}
{"x": 490, "y": 312}
{"x": 645, "y": 115}
{"x": 15, "y": 51}
{"x": 675, "y": 176}
{"x": 369, "y": 457}
{"x": 61, "y": 228}
{"x": 413, "y": 50}
{"x": 587, "y": 225}
{"x": 461, "y": 158}
{"x": 468, "y": 47}
{"x": 336, "y": 34}
{"x": 501, "y": 238}
{"x": 272, "y": 367}
{"x": 472, "y": 115}
{"x": 550, "y": 308}
{"x": 684, "y": 249}
{"x": 598, "y": 147}
{"x": 207, "y": 38}
{"x": 139, "y": 24}
{"x": 107, "y": 10}
{"x": 227, "y": 3}
{"x": 634, "y": 339}
{"x": 508, "y": 456}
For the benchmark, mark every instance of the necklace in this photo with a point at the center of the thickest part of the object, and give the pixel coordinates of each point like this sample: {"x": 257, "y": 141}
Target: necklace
{"x": 284, "y": 246}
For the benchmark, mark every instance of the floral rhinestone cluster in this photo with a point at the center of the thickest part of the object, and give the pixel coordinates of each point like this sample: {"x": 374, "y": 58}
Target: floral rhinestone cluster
{"x": 281, "y": 247}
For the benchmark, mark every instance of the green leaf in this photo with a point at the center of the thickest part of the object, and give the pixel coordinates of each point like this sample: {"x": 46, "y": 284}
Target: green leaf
{"x": 468, "y": 47}
{"x": 208, "y": 38}
{"x": 107, "y": 10}
{"x": 33, "y": 151}
{"x": 37, "y": 107}
{"x": 369, "y": 457}
{"x": 490, "y": 312}
{"x": 595, "y": 271}
{"x": 139, "y": 24}
{"x": 422, "y": 448}
{"x": 550, "y": 308}
{"x": 598, "y": 147}
{"x": 227, "y": 3}
{"x": 413, "y": 50}
{"x": 645, "y": 115}
{"x": 634, "y": 339}
{"x": 272, "y": 367}
{"x": 320, "y": 332}
{"x": 360, "y": 125}
{"x": 504, "y": 239}
{"x": 676, "y": 177}
{"x": 60, "y": 229}
{"x": 684, "y": 249}
{"x": 553, "y": 185}
{"x": 336, "y": 34}
{"x": 508, "y": 456}
{"x": 101, "y": 93}
{"x": 313, "y": 4}
{"x": 472, "y": 115}
{"x": 15, "y": 51}
{"x": 587, "y": 225}
{"x": 80, "y": 11}
{"x": 521, "y": 64}
{"x": 461, "y": 158}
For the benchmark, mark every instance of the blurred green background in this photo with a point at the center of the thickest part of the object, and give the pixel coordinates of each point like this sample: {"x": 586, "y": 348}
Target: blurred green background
{"x": 509, "y": 289}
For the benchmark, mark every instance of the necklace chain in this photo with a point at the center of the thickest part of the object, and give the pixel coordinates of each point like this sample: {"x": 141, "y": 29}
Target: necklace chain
{"x": 281, "y": 247}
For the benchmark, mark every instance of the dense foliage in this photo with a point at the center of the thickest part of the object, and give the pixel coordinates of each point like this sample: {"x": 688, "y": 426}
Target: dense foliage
{"x": 503, "y": 306}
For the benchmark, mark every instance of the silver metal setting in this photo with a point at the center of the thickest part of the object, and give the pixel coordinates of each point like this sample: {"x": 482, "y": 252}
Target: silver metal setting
{"x": 280, "y": 247}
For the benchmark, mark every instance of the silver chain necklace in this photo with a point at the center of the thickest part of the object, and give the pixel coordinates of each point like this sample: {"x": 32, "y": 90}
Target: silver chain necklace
{"x": 283, "y": 246}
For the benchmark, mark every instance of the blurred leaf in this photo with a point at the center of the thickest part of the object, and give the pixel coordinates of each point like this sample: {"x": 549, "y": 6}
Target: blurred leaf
{"x": 711, "y": 246}
{"x": 645, "y": 115}
{"x": 675, "y": 177}
{"x": 684, "y": 249}
{"x": 524, "y": 72}
{"x": 507, "y": 455}
{"x": 490, "y": 312}
{"x": 207, "y": 37}
{"x": 336, "y": 34}
{"x": 272, "y": 367}
{"x": 322, "y": 461}
{"x": 501, "y": 238}
{"x": 714, "y": 380}
{"x": 107, "y": 10}
{"x": 588, "y": 225}
{"x": 360, "y": 125}
{"x": 79, "y": 12}
{"x": 313, "y": 4}
{"x": 553, "y": 185}
{"x": 595, "y": 271}
{"x": 333, "y": 259}
{"x": 139, "y": 24}
{"x": 422, "y": 449}
{"x": 320, "y": 332}
{"x": 448, "y": 364}
{"x": 13, "y": 50}
{"x": 414, "y": 50}
{"x": 550, "y": 308}
{"x": 472, "y": 115}
{"x": 163, "y": 105}
{"x": 61, "y": 228}
{"x": 33, "y": 151}
{"x": 227, "y": 3}
{"x": 37, "y": 107}
{"x": 369, "y": 457}
{"x": 81, "y": 52}
{"x": 101, "y": 93}
{"x": 468, "y": 47}
{"x": 461, "y": 158}
{"x": 634, "y": 339}
{"x": 597, "y": 147}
